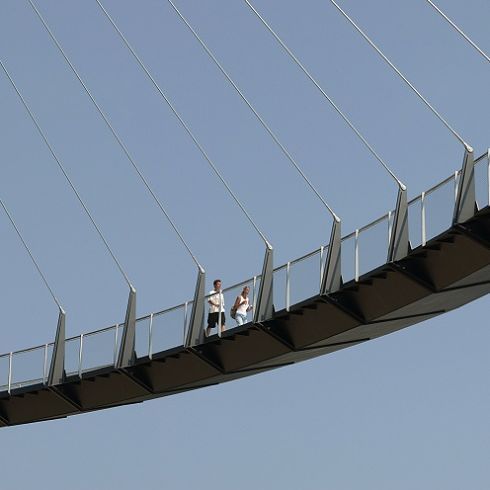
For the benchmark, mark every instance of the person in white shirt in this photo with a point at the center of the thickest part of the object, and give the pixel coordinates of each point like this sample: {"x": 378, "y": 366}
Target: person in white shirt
{"x": 216, "y": 315}
{"x": 242, "y": 306}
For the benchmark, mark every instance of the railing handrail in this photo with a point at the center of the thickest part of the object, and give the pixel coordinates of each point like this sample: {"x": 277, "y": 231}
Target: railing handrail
{"x": 28, "y": 349}
{"x": 306, "y": 256}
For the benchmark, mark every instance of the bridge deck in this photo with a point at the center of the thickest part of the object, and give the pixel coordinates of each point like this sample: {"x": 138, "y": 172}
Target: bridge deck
{"x": 451, "y": 270}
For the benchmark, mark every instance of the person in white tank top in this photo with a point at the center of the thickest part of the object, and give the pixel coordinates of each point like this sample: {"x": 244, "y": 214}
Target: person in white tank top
{"x": 242, "y": 306}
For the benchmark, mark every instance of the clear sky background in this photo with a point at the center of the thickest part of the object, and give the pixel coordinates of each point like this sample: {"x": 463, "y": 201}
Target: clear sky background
{"x": 410, "y": 410}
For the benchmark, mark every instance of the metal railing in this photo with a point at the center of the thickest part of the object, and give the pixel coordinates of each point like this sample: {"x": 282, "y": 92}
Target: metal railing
{"x": 25, "y": 367}
{"x": 363, "y": 250}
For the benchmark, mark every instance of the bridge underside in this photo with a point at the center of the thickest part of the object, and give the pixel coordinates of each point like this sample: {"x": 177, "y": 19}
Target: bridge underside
{"x": 449, "y": 271}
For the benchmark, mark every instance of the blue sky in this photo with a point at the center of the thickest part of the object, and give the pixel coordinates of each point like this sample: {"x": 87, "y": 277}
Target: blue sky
{"x": 409, "y": 410}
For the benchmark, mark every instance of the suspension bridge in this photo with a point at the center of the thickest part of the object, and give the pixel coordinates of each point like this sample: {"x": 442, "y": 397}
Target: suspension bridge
{"x": 427, "y": 259}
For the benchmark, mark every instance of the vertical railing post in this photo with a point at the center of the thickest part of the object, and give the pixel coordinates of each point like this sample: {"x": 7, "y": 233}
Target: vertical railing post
{"x": 422, "y": 220}
{"x": 45, "y": 365}
{"x": 220, "y": 302}
{"x": 253, "y": 292}
{"x": 455, "y": 185}
{"x": 116, "y": 332}
{"x": 321, "y": 265}
{"x": 10, "y": 373}
{"x": 356, "y": 255}
{"x": 185, "y": 322}
{"x": 150, "y": 338}
{"x": 288, "y": 291}
{"x": 390, "y": 227}
{"x": 80, "y": 356}
{"x": 488, "y": 176}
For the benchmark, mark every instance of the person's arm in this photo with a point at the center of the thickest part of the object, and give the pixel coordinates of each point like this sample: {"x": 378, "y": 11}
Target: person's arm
{"x": 211, "y": 302}
{"x": 237, "y": 303}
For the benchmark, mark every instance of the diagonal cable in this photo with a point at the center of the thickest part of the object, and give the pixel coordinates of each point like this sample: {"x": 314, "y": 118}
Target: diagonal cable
{"x": 28, "y": 250}
{"x": 458, "y": 29}
{"x": 116, "y": 136}
{"x": 70, "y": 183}
{"x": 468, "y": 148}
{"x": 329, "y": 99}
{"x": 251, "y": 107}
{"x": 184, "y": 125}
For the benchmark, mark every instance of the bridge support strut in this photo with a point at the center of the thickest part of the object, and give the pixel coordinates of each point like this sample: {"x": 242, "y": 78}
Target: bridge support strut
{"x": 195, "y": 333}
{"x": 57, "y": 367}
{"x": 398, "y": 247}
{"x": 331, "y": 276}
{"x": 127, "y": 350}
{"x": 264, "y": 308}
{"x": 464, "y": 207}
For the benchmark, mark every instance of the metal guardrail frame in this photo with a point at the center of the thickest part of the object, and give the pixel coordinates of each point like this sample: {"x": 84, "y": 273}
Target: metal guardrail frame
{"x": 454, "y": 177}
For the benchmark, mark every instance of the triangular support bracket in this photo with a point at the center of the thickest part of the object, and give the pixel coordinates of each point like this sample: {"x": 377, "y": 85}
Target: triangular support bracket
{"x": 127, "y": 352}
{"x": 331, "y": 276}
{"x": 56, "y": 373}
{"x": 195, "y": 332}
{"x": 264, "y": 307}
{"x": 464, "y": 207}
{"x": 398, "y": 246}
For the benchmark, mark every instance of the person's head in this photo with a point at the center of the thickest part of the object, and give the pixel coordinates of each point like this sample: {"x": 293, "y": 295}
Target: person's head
{"x": 217, "y": 284}
{"x": 245, "y": 291}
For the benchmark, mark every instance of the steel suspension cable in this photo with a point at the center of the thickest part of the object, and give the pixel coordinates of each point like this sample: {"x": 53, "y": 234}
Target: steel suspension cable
{"x": 400, "y": 74}
{"x": 329, "y": 99}
{"x": 251, "y": 107}
{"x": 184, "y": 125}
{"x": 459, "y": 30}
{"x": 117, "y": 137}
{"x": 28, "y": 250}
{"x": 65, "y": 174}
